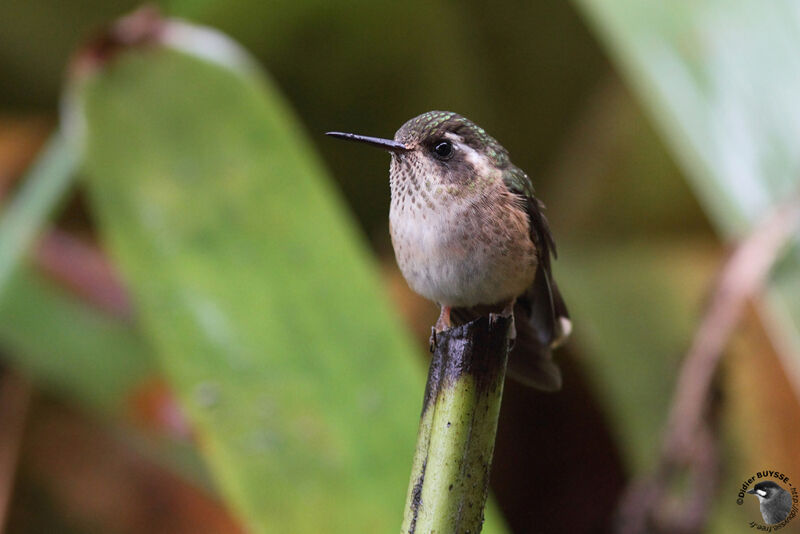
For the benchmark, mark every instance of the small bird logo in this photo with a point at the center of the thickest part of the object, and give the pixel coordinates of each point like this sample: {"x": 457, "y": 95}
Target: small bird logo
{"x": 776, "y": 502}
{"x": 469, "y": 234}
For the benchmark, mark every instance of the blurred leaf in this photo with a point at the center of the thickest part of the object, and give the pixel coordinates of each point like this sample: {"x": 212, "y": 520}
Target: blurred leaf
{"x": 257, "y": 292}
{"x": 64, "y": 344}
{"x": 637, "y": 303}
{"x": 27, "y": 212}
{"x": 93, "y": 358}
{"x": 86, "y": 474}
{"x": 98, "y": 361}
{"x": 721, "y": 80}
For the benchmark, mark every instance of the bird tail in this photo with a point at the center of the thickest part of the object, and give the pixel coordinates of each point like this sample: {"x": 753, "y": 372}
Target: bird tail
{"x": 542, "y": 324}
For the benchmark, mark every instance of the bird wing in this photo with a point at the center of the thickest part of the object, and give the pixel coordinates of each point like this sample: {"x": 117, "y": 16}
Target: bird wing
{"x": 544, "y": 320}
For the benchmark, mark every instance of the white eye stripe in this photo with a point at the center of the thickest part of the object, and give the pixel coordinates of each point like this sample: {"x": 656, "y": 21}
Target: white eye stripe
{"x": 456, "y": 140}
{"x": 472, "y": 156}
{"x": 761, "y": 492}
{"x": 478, "y": 160}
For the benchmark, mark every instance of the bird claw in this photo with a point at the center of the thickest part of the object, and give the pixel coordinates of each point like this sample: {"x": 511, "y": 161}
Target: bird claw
{"x": 432, "y": 341}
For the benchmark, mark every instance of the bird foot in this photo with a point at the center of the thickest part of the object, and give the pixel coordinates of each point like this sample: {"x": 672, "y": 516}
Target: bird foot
{"x": 442, "y": 324}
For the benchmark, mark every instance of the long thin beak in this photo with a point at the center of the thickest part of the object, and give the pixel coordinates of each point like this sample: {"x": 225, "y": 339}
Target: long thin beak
{"x": 386, "y": 144}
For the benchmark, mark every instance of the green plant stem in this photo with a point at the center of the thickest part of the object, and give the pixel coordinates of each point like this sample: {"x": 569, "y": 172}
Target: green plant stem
{"x": 450, "y": 474}
{"x": 42, "y": 187}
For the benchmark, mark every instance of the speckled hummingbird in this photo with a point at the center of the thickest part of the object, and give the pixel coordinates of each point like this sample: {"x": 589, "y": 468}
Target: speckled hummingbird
{"x": 469, "y": 234}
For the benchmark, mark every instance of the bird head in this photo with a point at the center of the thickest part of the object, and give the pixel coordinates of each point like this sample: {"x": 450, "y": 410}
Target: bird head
{"x": 765, "y": 490}
{"x": 442, "y": 147}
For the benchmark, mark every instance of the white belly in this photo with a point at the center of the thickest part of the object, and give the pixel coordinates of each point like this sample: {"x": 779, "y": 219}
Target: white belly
{"x": 457, "y": 258}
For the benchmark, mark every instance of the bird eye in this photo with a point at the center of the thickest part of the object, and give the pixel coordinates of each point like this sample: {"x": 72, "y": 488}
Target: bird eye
{"x": 443, "y": 149}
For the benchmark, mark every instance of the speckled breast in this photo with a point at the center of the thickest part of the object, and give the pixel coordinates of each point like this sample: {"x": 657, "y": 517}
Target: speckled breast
{"x": 463, "y": 250}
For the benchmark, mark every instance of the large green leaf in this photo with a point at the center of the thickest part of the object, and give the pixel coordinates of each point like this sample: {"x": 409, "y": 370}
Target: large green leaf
{"x": 264, "y": 307}
{"x": 720, "y": 78}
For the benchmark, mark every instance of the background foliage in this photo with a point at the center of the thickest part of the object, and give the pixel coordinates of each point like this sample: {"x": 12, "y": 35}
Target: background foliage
{"x": 233, "y": 242}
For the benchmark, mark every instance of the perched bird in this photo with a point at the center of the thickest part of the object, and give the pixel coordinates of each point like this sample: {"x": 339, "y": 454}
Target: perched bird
{"x": 776, "y": 502}
{"x": 469, "y": 234}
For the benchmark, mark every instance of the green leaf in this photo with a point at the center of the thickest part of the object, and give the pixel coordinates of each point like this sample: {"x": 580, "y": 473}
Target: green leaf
{"x": 720, "y": 79}
{"x": 95, "y": 360}
{"x": 92, "y": 358}
{"x": 42, "y": 187}
{"x": 260, "y": 297}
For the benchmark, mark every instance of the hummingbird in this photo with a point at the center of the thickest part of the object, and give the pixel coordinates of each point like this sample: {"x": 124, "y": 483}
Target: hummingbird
{"x": 469, "y": 234}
